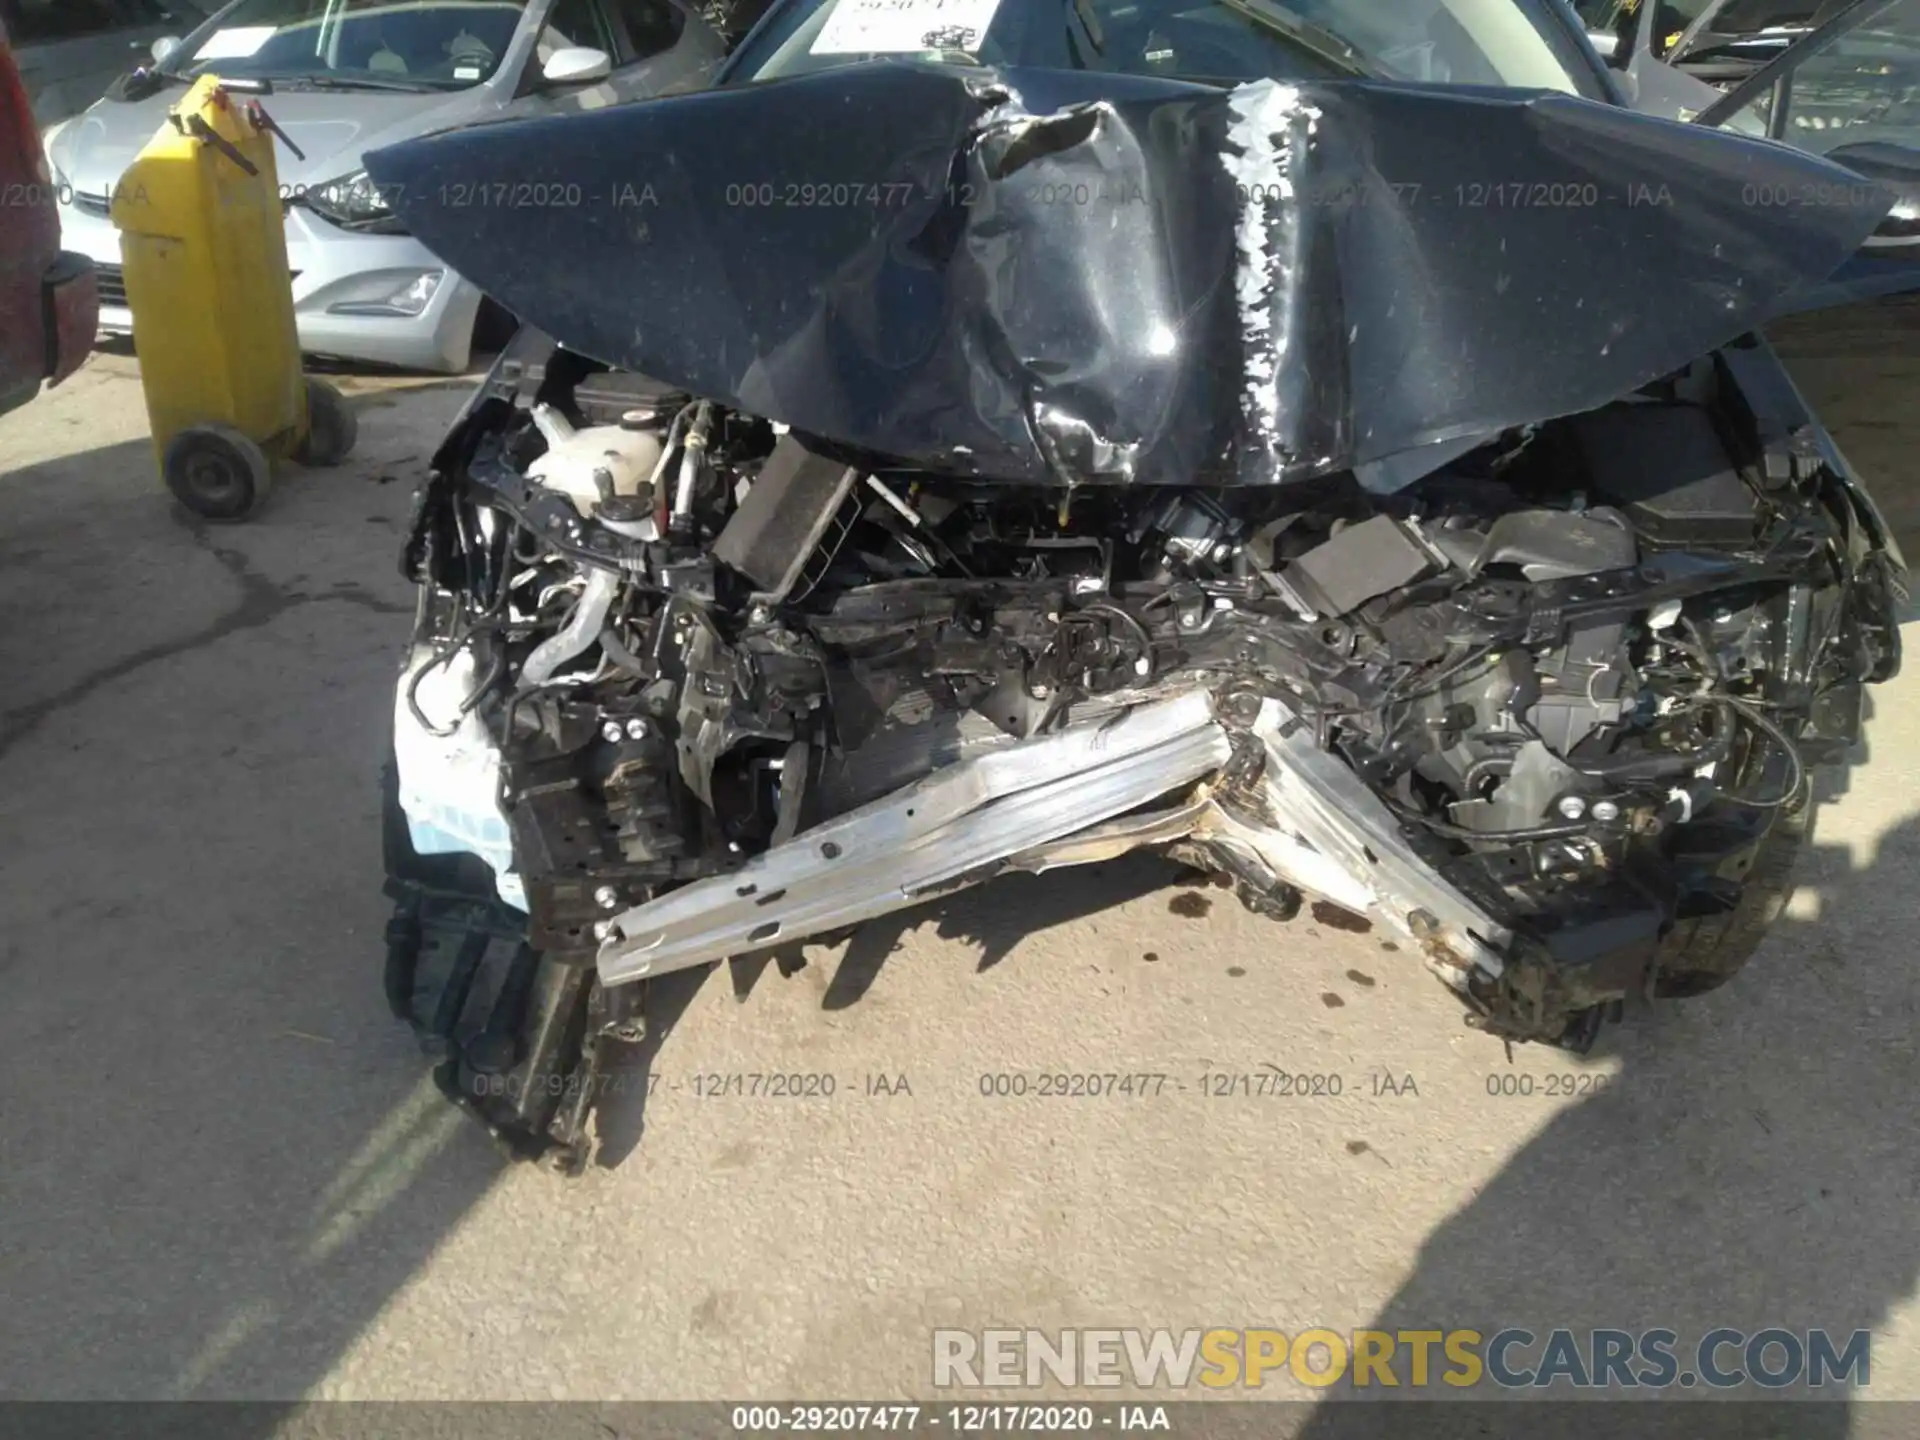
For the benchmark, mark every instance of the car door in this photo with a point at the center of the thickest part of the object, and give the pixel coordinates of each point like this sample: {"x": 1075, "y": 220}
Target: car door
{"x": 664, "y": 46}
{"x": 653, "y": 45}
{"x": 569, "y": 25}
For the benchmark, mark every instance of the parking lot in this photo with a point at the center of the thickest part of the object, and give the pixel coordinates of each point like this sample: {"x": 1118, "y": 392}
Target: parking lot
{"x": 1313, "y": 452}
{"x": 225, "y": 1173}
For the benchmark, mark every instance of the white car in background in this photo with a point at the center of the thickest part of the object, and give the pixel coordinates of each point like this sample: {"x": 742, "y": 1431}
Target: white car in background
{"x": 348, "y": 76}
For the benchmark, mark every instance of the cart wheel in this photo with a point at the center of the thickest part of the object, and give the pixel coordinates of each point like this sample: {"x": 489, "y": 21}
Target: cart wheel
{"x": 331, "y": 426}
{"x": 217, "y": 472}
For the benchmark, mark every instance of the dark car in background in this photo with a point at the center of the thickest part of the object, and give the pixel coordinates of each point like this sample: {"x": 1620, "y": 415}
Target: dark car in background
{"x": 49, "y": 306}
{"x": 1838, "y": 78}
{"x": 1834, "y": 77}
{"x": 69, "y": 51}
{"x": 1848, "y": 88}
{"x": 1716, "y": 40}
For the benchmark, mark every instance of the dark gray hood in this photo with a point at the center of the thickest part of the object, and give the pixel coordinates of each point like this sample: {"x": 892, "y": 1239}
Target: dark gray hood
{"x": 1085, "y": 278}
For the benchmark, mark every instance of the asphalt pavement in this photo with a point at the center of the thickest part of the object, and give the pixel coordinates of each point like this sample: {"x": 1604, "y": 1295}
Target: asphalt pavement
{"x": 224, "y": 1171}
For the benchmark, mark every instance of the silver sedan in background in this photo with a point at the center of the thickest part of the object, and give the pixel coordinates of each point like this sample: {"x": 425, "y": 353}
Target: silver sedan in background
{"x": 348, "y": 76}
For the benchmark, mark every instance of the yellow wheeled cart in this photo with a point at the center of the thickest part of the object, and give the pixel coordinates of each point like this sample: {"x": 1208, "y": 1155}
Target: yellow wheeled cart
{"x": 205, "y": 249}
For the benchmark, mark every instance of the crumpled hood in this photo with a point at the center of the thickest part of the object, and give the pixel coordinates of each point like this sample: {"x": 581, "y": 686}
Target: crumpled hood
{"x": 1074, "y": 277}
{"x": 93, "y": 150}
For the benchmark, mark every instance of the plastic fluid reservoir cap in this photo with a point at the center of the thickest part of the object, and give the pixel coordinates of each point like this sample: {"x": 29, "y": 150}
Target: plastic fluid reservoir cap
{"x": 598, "y": 463}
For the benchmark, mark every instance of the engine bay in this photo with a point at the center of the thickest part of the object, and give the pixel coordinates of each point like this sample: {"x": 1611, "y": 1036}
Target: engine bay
{"x": 697, "y": 685}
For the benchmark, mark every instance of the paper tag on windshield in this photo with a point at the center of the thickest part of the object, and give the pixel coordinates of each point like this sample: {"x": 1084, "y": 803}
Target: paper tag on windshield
{"x": 893, "y": 27}
{"x": 236, "y": 43}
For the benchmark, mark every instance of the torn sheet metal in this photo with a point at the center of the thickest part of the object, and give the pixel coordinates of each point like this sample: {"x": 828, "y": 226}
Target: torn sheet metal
{"x": 1086, "y": 278}
{"x": 955, "y": 828}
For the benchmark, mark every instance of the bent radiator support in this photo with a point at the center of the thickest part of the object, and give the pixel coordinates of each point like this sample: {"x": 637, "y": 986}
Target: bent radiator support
{"x": 1316, "y": 801}
{"x": 1056, "y": 800}
{"x": 937, "y": 833}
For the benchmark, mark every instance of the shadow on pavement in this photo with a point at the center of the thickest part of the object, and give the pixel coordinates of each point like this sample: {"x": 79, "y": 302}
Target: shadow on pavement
{"x": 993, "y": 919}
{"x": 1751, "y": 1164}
{"x": 219, "y": 1155}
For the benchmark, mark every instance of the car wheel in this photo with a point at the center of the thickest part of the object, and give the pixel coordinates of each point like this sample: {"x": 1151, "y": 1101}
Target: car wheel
{"x": 331, "y": 426}
{"x": 216, "y": 472}
{"x": 1703, "y": 954}
{"x": 505, "y": 1025}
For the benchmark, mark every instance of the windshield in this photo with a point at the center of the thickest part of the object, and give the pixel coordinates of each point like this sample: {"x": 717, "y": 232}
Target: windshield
{"x": 363, "y": 44}
{"x": 1458, "y": 42}
{"x": 1856, "y": 97}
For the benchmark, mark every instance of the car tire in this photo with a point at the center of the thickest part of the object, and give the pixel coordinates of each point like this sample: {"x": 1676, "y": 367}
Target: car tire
{"x": 217, "y": 472}
{"x": 1702, "y": 954}
{"x": 332, "y": 427}
{"x": 505, "y": 1025}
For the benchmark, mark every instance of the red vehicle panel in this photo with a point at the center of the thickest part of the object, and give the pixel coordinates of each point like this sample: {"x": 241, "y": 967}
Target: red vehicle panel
{"x": 49, "y": 306}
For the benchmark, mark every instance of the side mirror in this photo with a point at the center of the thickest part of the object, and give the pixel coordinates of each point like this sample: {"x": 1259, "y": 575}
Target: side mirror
{"x": 577, "y": 65}
{"x": 163, "y": 47}
{"x": 1606, "y": 42}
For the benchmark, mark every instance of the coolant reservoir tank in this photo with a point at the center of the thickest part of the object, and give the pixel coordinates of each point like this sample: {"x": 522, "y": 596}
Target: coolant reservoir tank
{"x": 595, "y": 463}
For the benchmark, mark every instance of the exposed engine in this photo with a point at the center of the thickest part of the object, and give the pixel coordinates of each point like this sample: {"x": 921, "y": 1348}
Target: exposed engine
{"x": 695, "y": 686}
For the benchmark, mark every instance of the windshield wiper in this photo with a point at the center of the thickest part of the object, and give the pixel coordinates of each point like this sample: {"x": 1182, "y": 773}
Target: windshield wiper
{"x": 140, "y": 84}
{"x": 349, "y": 82}
{"x": 1316, "y": 40}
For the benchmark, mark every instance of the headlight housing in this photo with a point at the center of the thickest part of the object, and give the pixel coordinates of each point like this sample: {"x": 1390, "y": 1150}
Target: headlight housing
{"x": 353, "y": 202}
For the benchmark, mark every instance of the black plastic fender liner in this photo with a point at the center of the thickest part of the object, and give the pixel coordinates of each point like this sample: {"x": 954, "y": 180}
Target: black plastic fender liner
{"x": 1077, "y": 277}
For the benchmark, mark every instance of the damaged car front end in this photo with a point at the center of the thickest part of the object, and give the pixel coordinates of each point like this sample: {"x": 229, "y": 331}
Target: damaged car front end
{"x": 1124, "y": 462}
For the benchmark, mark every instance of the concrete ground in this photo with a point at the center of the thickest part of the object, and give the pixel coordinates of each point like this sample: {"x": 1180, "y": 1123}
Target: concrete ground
{"x": 224, "y": 1173}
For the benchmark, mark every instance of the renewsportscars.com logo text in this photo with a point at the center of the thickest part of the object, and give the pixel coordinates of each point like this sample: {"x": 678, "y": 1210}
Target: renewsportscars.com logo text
{"x": 1512, "y": 1358}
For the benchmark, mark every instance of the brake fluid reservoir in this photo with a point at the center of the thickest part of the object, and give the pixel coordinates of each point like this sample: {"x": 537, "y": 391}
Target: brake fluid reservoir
{"x": 599, "y": 462}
